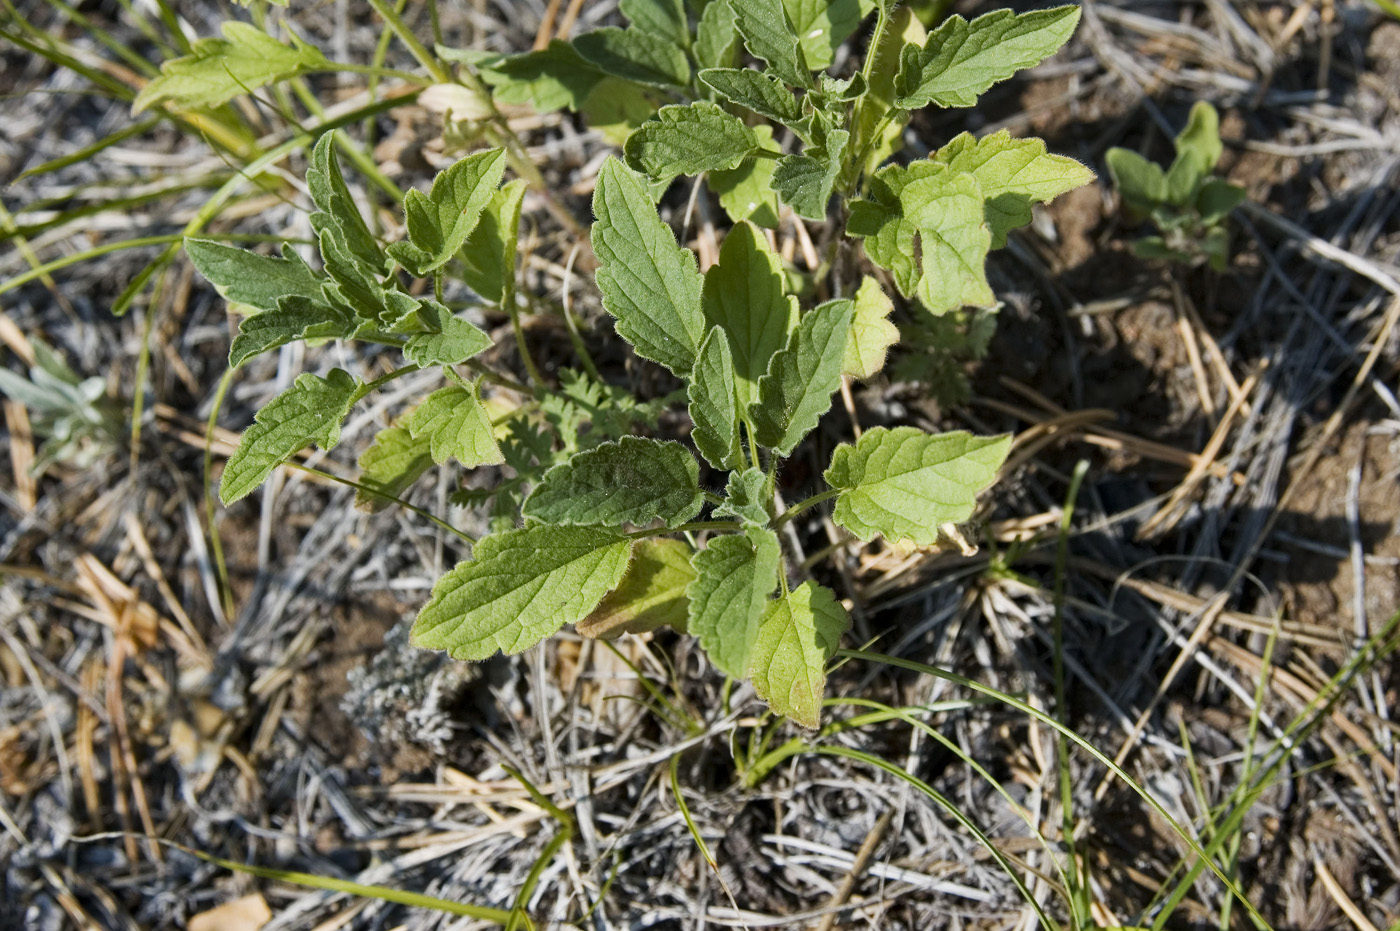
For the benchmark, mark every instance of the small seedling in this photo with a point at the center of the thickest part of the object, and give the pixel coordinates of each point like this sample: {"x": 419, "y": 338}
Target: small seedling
{"x": 1186, "y": 202}
{"x": 75, "y": 416}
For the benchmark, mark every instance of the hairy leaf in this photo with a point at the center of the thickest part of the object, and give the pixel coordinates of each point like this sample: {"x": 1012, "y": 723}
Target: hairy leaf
{"x": 393, "y": 462}
{"x": 350, "y": 252}
{"x": 256, "y": 280}
{"x": 636, "y": 56}
{"x": 664, "y": 18}
{"x": 633, "y": 481}
{"x": 308, "y": 412}
{"x": 799, "y": 634}
{"x": 520, "y": 587}
{"x": 746, "y": 192}
{"x": 218, "y": 70}
{"x": 822, "y": 25}
{"x": 713, "y": 406}
{"x": 456, "y": 426}
{"x": 762, "y": 93}
{"x": 455, "y": 341}
{"x": 744, "y": 498}
{"x": 716, "y": 36}
{"x": 872, "y": 334}
{"x": 295, "y": 317}
{"x": 688, "y": 139}
{"x": 488, "y": 258}
{"x": 651, "y": 594}
{"x": 769, "y": 35}
{"x": 903, "y": 483}
{"x": 440, "y": 221}
{"x": 735, "y": 574}
{"x": 962, "y": 59}
{"x": 805, "y": 181}
{"x": 649, "y": 283}
{"x": 796, "y": 390}
{"x": 551, "y": 78}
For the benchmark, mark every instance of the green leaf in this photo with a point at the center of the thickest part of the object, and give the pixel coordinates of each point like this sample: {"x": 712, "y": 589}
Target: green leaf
{"x": 520, "y": 587}
{"x": 960, "y": 60}
{"x": 664, "y": 18}
{"x": 944, "y": 211}
{"x": 636, "y": 56}
{"x": 294, "y": 318}
{"x": 1198, "y": 150}
{"x": 769, "y": 35}
{"x": 805, "y": 181}
{"x": 872, "y": 334}
{"x": 457, "y": 427}
{"x": 649, "y": 283}
{"x": 762, "y": 93}
{"x": 308, "y": 412}
{"x": 713, "y": 408}
{"x": 551, "y": 78}
{"x": 488, "y": 257}
{"x": 716, "y": 37}
{"x": 349, "y": 250}
{"x": 256, "y": 280}
{"x": 1013, "y": 174}
{"x": 1216, "y": 198}
{"x": 735, "y": 574}
{"x": 745, "y": 498}
{"x": 903, "y": 483}
{"x": 744, "y": 296}
{"x": 455, "y": 341}
{"x": 440, "y": 221}
{"x": 616, "y": 108}
{"x": 393, "y": 462}
{"x": 878, "y": 137}
{"x": 632, "y": 481}
{"x": 1141, "y": 184}
{"x": 219, "y": 70}
{"x": 797, "y": 637}
{"x": 823, "y": 25}
{"x": 651, "y": 594}
{"x": 688, "y": 139}
{"x": 746, "y": 193}
{"x": 796, "y": 390}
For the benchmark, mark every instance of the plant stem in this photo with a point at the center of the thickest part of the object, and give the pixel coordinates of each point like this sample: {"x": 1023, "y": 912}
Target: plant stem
{"x": 801, "y": 506}
{"x": 425, "y": 58}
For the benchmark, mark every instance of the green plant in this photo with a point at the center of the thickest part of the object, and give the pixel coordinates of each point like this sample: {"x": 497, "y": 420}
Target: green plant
{"x": 759, "y": 371}
{"x": 1186, "y": 202}
{"x": 76, "y": 417}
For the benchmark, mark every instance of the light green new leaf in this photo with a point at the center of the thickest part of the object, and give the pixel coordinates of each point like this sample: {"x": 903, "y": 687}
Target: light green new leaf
{"x": 455, "y": 341}
{"x": 805, "y": 181}
{"x": 822, "y": 25}
{"x": 651, "y": 594}
{"x": 649, "y": 283}
{"x": 716, "y": 37}
{"x": 962, "y": 59}
{"x": 1013, "y": 174}
{"x": 308, "y": 412}
{"x": 551, "y": 78}
{"x": 688, "y": 139}
{"x": 632, "y": 481}
{"x": 769, "y": 35}
{"x": 294, "y": 318}
{"x": 746, "y": 193}
{"x": 393, "y": 462}
{"x": 903, "y": 483}
{"x": 735, "y": 574}
{"x": 636, "y": 56}
{"x": 520, "y": 587}
{"x": 1198, "y": 150}
{"x": 664, "y": 18}
{"x": 350, "y": 251}
{"x": 488, "y": 258}
{"x": 797, "y": 388}
{"x": 218, "y": 70}
{"x": 457, "y": 427}
{"x": 872, "y": 334}
{"x": 440, "y": 221}
{"x": 256, "y": 280}
{"x": 713, "y": 407}
{"x": 797, "y": 637}
{"x": 744, "y": 498}
{"x": 744, "y": 295}
{"x": 1141, "y": 184}
{"x": 762, "y": 93}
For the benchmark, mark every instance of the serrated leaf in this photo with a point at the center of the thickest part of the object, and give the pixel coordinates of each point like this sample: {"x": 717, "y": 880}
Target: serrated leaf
{"x": 393, "y": 462}
{"x": 488, "y": 257}
{"x": 631, "y": 481}
{"x": 551, "y": 78}
{"x": 294, "y": 318}
{"x": 688, "y": 139}
{"x": 822, "y": 25}
{"x": 1013, "y": 174}
{"x": 649, "y": 283}
{"x": 1141, "y": 184}
{"x": 962, "y": 59}
{"x": 744, "y": 498}
{"x": 735, "y": 574}
{"x": 308, "y": 412}
{"x": 929, "y": 211}
{"x": 455, "y": 341}
{"x": 440, "y": 221}
{"x": 805, "y": 181}
{"x": 746, "y": 192}
{"x": 635, "y": 56}
{"x": 354, "y": 253}
{"x": 457, "y": 427}
{"x": 664, "y": 18}
{"x": 769, "y": 35}
{"x": 762, "y": 93}
{"x": 218, "y": 70}
{"x": 520, "y": 587}
{"x": 903, "y": 483}
{"x": 797, "y": 637}
{"x": 1198, "y": 150}
{"x": 256, "y": 280}
{"x": 744, "y": 296}
{"x": 872, "y": 334}
{"x": 650, "y": 595}
{"x": 797, "y": 388}
{"x": 713, "y": 408}
{"x": 716, "y": 36}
